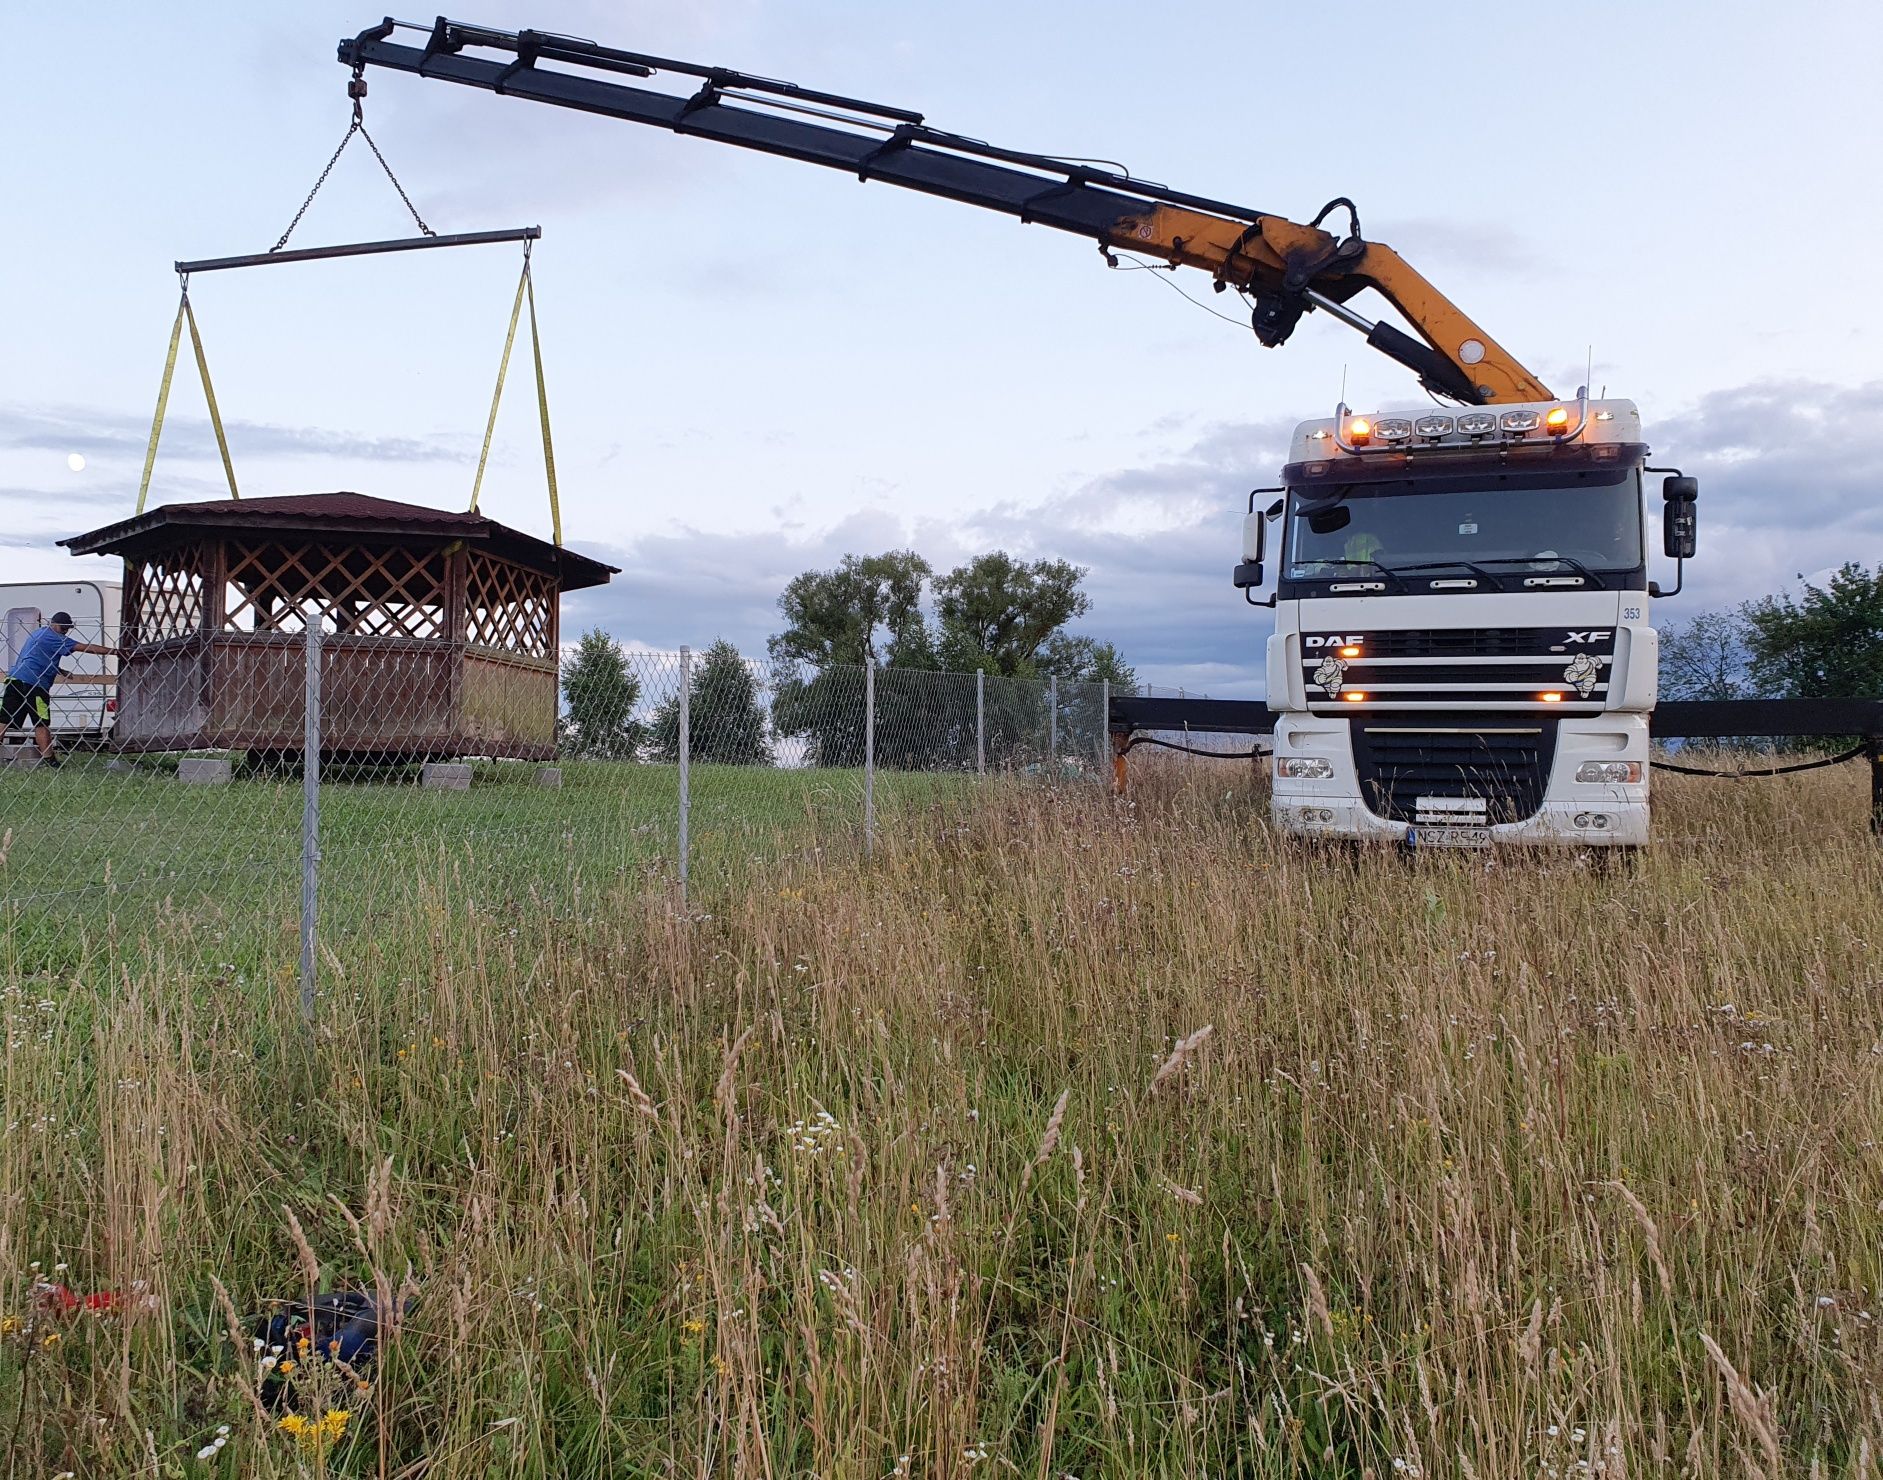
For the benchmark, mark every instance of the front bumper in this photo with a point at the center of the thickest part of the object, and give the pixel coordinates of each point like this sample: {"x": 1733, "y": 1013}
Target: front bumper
{"x": 1577, "y": 814}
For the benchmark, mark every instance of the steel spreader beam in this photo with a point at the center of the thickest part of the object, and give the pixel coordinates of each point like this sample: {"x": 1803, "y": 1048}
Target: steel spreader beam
{"x": 364, "y": 249}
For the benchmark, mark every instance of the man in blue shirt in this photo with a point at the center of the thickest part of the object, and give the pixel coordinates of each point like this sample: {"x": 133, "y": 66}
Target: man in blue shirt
{"x": 28, "y": 701}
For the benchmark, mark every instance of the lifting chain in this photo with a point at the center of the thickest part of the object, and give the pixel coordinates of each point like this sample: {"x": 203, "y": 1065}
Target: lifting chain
{"x": 356, "y": 90}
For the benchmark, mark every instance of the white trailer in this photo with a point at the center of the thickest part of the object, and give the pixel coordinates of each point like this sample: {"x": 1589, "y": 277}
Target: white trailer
{"x": 82, "y": 711}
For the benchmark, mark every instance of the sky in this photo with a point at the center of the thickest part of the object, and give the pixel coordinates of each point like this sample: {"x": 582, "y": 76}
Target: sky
{"x": 756, "y": 366}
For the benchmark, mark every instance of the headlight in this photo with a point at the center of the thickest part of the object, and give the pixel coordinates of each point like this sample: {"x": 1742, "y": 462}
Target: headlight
{"x": 1477, "y": 423}
{"x": 1432, "y": 426}
{"x": 1598, "y": 821}
{"x": 1304, "y": 768}
{"x": 1609, "y": 771}
{"x": 1392, "y": 428}
{"x": 1520, "y": 421}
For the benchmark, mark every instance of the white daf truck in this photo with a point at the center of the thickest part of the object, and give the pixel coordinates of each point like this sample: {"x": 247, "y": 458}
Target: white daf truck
{"x": 1463, "y": 651}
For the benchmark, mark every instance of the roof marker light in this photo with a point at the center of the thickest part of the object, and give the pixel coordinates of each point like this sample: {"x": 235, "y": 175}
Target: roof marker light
{"x": 1558, "y": 419}
{"x": 1359, "y": 431}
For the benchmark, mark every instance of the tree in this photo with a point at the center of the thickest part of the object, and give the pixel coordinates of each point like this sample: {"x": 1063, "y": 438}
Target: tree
{"x": 725, "y": 720}
{"x": 994, "y": 615}
{"x": 1827, "y": 643}
{"x": 997, "y": 613}
{"x": 868, "y": 611}
{"x": 1087, "y": 660}
{"x": 600, "y": 694}
{"x": 1706, "y": 658}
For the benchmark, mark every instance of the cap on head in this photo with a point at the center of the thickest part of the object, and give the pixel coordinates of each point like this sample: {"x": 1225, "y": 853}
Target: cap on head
{"x": 61, "y": 620}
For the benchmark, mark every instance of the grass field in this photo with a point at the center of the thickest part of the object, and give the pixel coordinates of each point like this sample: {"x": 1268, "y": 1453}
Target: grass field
{"x": 80, "y": 844}
{"x": 1060, "y": 1137}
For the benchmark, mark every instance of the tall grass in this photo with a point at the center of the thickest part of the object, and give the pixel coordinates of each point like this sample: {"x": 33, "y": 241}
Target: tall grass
{"x": 927, "y": 1166}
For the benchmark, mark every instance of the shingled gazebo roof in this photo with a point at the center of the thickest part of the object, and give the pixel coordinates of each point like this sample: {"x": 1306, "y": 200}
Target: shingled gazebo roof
{"x": 329, "y": 514}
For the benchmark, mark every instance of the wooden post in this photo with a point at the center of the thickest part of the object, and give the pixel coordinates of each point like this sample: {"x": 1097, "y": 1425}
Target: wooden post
{"x": 1120, "y": 743}
{"x": 1873, "y": 751}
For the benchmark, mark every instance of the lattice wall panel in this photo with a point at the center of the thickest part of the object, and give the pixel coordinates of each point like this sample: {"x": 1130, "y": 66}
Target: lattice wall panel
{"x": 167, "y": 594}
{"x": 508, "y": 607}
{"x": 274, "y": 585}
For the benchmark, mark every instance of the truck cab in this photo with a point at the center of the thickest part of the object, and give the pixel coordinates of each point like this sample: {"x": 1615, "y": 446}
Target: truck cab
{"x": 1463, "y": 652}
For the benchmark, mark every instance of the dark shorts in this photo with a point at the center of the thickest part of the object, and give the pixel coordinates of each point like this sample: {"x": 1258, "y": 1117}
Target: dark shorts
{"x": 25, "y": 706}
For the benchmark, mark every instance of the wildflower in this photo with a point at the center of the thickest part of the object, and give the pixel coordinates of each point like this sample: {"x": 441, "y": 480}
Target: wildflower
{"x": 696, "y": 1326}
{"x": 287, "y": 1368}
{"x": 8, "y": 1325}
{"x": 1173, "y": 1238}
{"x": 51, "y": 1339}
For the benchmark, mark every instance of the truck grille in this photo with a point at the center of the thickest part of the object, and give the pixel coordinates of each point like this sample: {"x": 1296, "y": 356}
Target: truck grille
{"x": 1464, "y": 642}
{"x": 1505, "y": 763}
{"x": 1435, "y": 669}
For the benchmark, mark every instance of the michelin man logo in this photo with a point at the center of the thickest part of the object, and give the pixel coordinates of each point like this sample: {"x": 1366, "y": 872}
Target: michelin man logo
{"x": 1582, "y": 674}
{"x": 1329, "y": 674}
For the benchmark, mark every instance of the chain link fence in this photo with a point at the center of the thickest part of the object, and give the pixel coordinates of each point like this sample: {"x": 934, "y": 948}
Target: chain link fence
{"x": 246, "y": 800}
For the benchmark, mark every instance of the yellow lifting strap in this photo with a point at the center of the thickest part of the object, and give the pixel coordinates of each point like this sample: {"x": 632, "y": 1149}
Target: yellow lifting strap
{"x": 185, "y": 314}
{"x": 526, "y": 291}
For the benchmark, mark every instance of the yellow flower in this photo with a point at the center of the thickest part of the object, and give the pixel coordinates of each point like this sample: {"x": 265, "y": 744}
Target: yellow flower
{"x": 285, "y": 1368}
{"x": 293, "y": 1424}
{"x": 696, "y": 1327}
{"x": 51, "y": 1339}
{"x": 9, "y": 1325}
{"x": 1172, "y": 1237}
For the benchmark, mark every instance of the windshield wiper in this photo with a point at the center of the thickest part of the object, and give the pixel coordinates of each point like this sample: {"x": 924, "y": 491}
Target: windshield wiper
{"x": 1569, "y": 560}
{"x": 1374, "y": 564}
{"x": 1475, "y": 569}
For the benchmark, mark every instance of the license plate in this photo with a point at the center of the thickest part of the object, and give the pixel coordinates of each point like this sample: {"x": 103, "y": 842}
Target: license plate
{"x": 1448, "y": 837}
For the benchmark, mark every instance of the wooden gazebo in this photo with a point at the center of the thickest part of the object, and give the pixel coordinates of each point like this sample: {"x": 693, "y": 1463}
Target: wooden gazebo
{"x": 439, "y": 629}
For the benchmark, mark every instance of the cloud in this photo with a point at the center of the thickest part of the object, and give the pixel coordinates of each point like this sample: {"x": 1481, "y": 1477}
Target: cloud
{"x": 1158, "y": 542}
{"x": 1787, "y": 483}
{"x": 96, "y": 432}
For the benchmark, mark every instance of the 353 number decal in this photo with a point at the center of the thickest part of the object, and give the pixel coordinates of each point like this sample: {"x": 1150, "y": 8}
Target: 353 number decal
{"x": 1631, "y": 614}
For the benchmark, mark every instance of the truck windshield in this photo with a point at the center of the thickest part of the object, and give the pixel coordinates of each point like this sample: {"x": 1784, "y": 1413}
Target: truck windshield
{"x": 1517, "y": 523}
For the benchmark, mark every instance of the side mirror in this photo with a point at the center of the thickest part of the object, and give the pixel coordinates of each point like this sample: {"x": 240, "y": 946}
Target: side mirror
{"x": 1680, "y": 523}
{"x": 1254, "y": 544}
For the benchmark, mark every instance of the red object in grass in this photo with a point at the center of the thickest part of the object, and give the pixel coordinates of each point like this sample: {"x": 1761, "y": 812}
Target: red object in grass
{"x": 58, "y": 1300}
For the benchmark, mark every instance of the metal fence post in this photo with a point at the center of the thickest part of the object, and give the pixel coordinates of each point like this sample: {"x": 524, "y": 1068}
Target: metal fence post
{"x": 1052, "y": 719}
{"x": 310, "y": 816}
{"x": 686, "y": 745}
{"x": 1104, "y": 721}
{"x": 869, "y": 757}
{"x": 980, "y": 723}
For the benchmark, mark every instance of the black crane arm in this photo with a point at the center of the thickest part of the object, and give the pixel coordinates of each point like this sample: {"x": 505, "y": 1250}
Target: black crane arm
{"x": 1286, "y": 268}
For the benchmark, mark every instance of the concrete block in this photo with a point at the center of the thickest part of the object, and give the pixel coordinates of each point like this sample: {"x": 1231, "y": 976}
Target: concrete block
{"x": 119, "y": 766}
{"x": 204, "y": 771}
{"x": 549, "y": 776}
{"x": 23, "y": 756}
{"x": 446, "y": 776}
